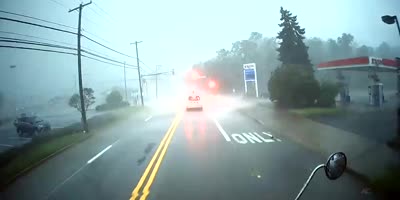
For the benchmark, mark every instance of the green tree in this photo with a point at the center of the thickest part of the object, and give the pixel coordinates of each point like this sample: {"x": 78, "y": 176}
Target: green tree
{"x": 345, "y": 43}
{"x": 363, "y": 51}
{"x": 114, "y": 97}
{"x": 329, "y": 91}
{"x": 332, "y": 50}
{"x": 383, "y": 50}
{"x": 293, "y": 83}
{"x": 316, "y": 50}
{"x": 88, "y": 97}
{"x": 292, "y": 86}
{"x": 292, "y": 49}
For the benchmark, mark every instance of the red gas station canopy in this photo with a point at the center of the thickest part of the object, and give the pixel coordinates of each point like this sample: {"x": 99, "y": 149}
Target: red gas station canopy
{"x": 361, "y": 64}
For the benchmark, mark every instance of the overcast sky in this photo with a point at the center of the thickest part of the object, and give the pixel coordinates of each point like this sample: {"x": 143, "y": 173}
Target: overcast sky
{"x": 176, "y": 33}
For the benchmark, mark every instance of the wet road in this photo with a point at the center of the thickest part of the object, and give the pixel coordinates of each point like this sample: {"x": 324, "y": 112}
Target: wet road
{"x": 214, "y": 154}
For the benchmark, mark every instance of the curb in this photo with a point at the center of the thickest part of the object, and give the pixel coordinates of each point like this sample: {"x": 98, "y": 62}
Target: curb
{"x": 352, "y": 172}
{"x": 43, "y": 160}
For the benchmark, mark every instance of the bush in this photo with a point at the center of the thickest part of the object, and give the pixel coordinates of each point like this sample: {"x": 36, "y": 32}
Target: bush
{"x": 108, "y": 106}
{"x": 114, "y": 97}
{"x": 328, "y": 92}
{"x": 293, "y": 86}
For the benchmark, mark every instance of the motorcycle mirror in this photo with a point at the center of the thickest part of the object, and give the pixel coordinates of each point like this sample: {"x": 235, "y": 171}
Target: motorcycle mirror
{"x": 335, "y": 165}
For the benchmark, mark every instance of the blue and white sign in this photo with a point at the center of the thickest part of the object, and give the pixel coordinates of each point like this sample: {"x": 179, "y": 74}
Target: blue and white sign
{"x": 250, "y": 75}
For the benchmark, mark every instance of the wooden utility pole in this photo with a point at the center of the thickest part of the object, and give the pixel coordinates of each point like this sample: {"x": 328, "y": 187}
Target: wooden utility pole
{"x": 138, "y": 68}
{"x": 83, "y": 108}
{"x": 126, "y": 93}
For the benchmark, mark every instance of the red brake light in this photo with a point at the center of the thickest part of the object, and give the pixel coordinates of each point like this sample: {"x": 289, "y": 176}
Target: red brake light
{"x": 212, "y": 84}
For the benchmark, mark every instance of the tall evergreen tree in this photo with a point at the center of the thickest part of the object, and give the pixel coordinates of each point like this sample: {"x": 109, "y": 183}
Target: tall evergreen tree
{"x": 292, "y": 49}
{"x": 293, "y": 84}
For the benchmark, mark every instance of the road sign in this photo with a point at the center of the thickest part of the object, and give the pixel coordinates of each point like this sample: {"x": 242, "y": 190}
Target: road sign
{"x": 249, "y": 66}
{"x": 250, "y": 75}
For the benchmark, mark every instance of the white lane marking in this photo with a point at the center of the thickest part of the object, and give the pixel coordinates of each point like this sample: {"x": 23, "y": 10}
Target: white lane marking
{"x": 271, "y": 136}
{"x": 279, "y": 140}
{"x": 80, "y": 169}
{"x": 147, "y": 119}
{"x": 6, "y": 145}
{"x": 66, "y": 180}
{"x": 221, "y": 130}
{"x": 239, "y": 138}
{"x": 252, "y": 138}
{"x": 263, "y": 139}
{"x": 101, "y": 152}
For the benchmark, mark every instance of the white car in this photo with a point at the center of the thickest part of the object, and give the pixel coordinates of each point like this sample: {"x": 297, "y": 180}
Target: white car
{"x": 194, "y": 102}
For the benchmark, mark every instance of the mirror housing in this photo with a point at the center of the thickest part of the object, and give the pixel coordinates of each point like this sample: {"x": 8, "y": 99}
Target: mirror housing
{"x": 335, "y": 165}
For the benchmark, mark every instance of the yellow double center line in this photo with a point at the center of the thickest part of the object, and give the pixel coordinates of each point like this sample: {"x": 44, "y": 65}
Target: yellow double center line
{"x": 158, "y": 156}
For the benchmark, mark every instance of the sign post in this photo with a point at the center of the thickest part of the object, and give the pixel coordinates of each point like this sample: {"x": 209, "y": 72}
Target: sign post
{"x": 250, "y": 75}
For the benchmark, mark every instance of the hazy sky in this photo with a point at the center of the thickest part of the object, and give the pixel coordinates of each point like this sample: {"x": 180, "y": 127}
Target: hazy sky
{"x": 177, "y": 33}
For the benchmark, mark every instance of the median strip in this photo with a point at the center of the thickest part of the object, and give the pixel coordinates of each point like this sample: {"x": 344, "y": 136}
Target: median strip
{"x": 158, "y": 156}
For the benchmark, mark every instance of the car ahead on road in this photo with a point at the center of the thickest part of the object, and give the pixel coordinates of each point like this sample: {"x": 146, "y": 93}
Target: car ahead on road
{"x": 31, "y": 125}
{"x": 194, "y": 102}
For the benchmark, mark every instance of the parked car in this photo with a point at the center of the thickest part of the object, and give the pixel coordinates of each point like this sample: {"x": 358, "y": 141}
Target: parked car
{"x": 32, "y": 125}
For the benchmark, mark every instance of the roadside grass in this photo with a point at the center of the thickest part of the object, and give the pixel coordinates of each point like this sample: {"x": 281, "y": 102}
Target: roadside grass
{"x": 28, "y": 157}
{"x": 317, "y": 111}
{"x": 16, "y": 161}
{"x": 388, "y": 185}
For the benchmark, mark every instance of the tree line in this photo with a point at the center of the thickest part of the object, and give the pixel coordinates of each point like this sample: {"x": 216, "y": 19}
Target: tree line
{"x": 226, "y": 66}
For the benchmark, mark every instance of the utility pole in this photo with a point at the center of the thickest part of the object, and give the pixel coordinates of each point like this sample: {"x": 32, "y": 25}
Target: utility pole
{"x": 126, "y": 93}
{"x": 138, "y": 68}
{"x": 157, "y": 81}
{"x": 83, "y": 109}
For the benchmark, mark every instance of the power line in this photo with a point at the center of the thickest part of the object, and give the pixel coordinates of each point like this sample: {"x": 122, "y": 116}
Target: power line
{"x": 146, "y": 65}
{"x": 35, "y": 43}
{"x": 30, "y": 36}
{"x": 89, "y": 20}
{"x": 111, "y": 60}
{"x": 89, "y": 57}
{"x": 36, "y": 49}
{"x": 39, "y": 25}
{"x": 108, "y": 47}
{"x": 102, "y": 10}
{"x": 35, "y": 18}
{"x": 60, "y": 4}
{"x": 96, "y": 36}
{"x": 95, "y": 12}
{"x": 24, "y": 35}
{"x": 21, "y": 41}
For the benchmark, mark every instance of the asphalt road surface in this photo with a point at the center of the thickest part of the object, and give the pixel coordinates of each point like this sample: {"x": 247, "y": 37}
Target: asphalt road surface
{"x": 214, "y": 154}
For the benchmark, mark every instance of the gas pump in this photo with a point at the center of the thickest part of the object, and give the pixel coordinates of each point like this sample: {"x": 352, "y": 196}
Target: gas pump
{"x": 344, "y": 92}
{"x": 375, "y": 90}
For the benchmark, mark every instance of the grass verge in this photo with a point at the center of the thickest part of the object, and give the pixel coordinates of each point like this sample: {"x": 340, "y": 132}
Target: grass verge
{"x": 16, "y": 161}
{"x": 316, "y": 111}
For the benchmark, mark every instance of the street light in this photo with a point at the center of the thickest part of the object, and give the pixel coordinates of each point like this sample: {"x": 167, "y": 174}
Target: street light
{"x": 391, "y": 20}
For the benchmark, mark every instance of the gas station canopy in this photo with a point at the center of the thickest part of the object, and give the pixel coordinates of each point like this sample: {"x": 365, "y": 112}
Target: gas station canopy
{"x": 361, "y": 64}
